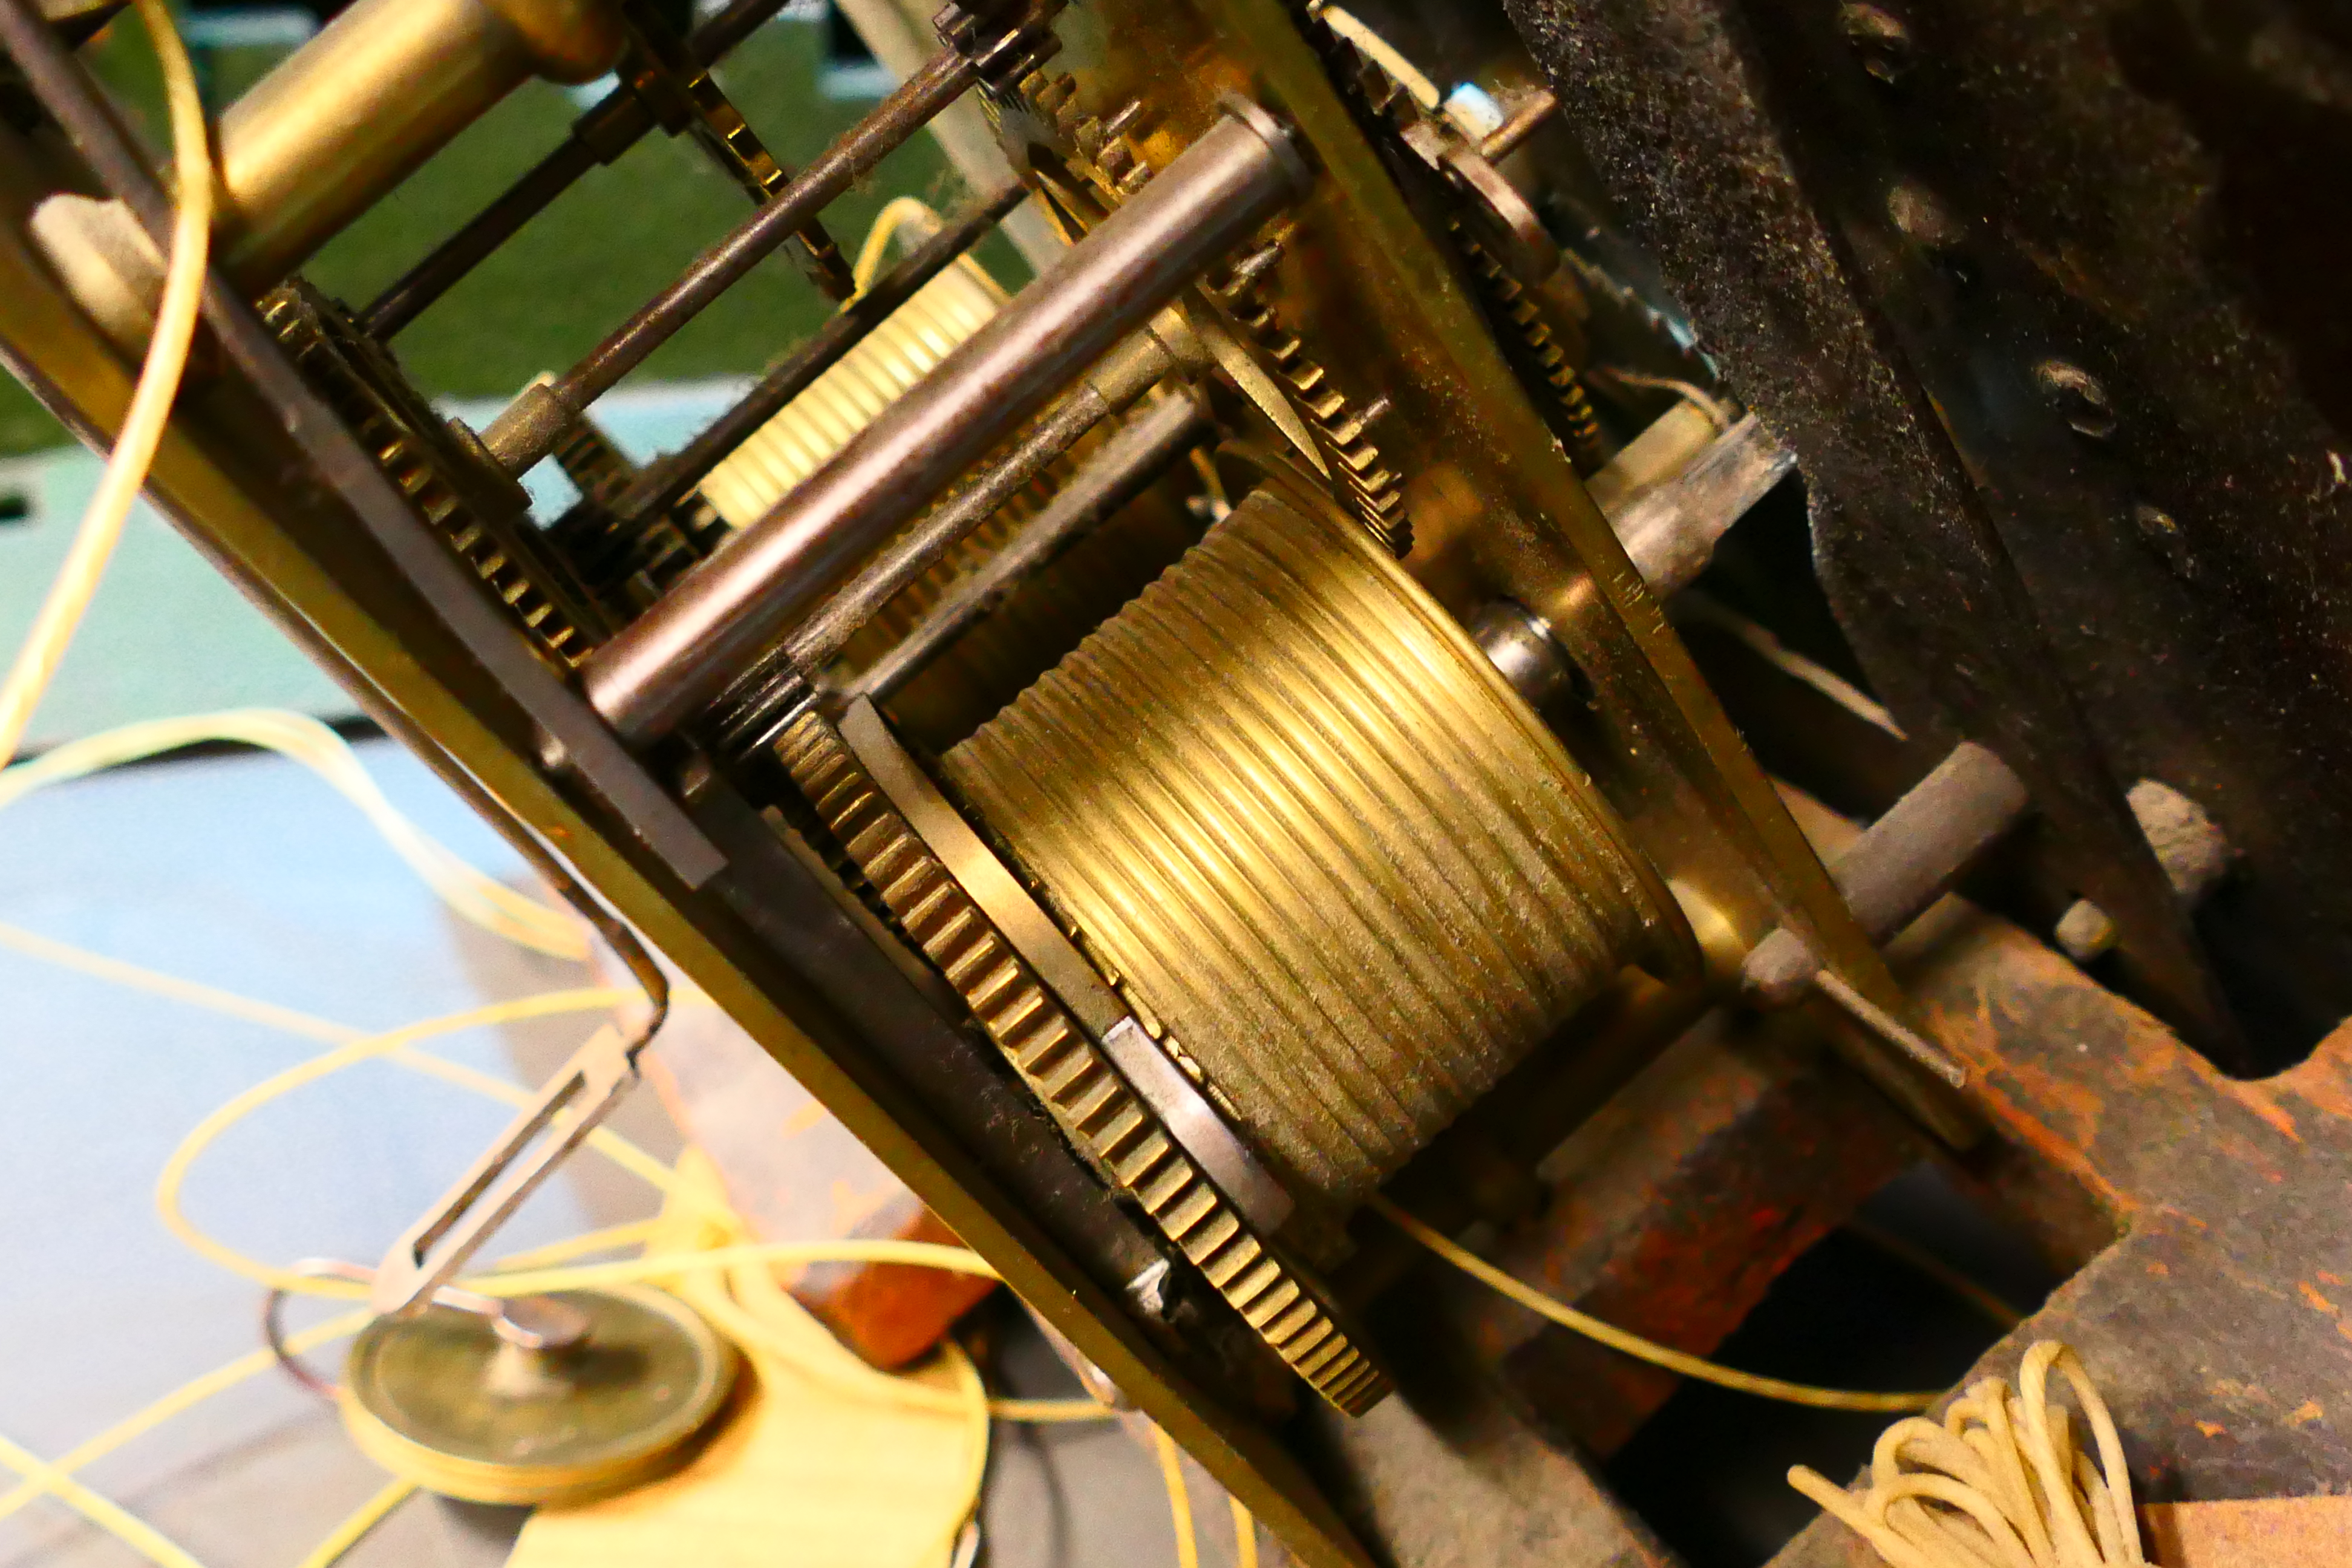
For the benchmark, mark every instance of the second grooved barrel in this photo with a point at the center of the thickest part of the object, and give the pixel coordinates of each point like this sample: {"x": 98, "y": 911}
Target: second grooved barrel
{"x": 685, "y": 649}
{"x": 1282, "y": 797}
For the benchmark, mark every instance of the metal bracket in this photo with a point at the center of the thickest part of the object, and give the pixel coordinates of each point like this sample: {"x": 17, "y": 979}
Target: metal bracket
{"x": 573, "y": 1105}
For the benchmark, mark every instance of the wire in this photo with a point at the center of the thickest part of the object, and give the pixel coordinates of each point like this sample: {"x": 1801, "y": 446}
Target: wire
{"x": 686, "y": 1269}
{"x": 191, "y": 992}
{"x": 746, "y": 1303}
{"x": 174, "y": 1172}
{"x": 151, "y": 400}
{"x": 904, "y": 212}
{"x": 109, "y": 1516}
{"x": 773, "y": 1325}
{"x": 1046, "y": 1411}
{"x": 41, "y": 1476}
{"x": 1719, "y": 414}
{"x": 349, "y": 1533}
{"x": 399, "y": 1046}
{"x": 1986, "y": 1303}
{"x": 1999, "y": 1483}
{"x": 1244, "y": 1534}
{"x": 354, "y": 1046}
{"x": 475, "y": 895}
{"x": 1179, "y": 1499}
{"x": 1633, "y": 1344}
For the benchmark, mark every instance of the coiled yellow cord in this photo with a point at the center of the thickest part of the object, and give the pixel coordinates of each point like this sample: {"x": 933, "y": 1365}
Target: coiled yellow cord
{"x": 777, "y": 1328}
{"x": 108, "y": 1515}
{"x": 477, "y": 897}
{"x": 1180, "y": 1509}
{"x": 720, "y": 1246}
{"x": 1245, "y": 1535}
{"x": 1633, "y": 1344}
{"x": 151, "y": 400}
{"x": 802, "y": 1343}
{"x": 55, "y": 1475}
{"x": 1179, "y": 1499}
{"x": 483, "y": 899}
{"x": 1999, "y": 1483}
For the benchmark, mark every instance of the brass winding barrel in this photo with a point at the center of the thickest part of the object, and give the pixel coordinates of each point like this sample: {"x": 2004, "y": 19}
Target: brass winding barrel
{"x": 1290, "y": 808}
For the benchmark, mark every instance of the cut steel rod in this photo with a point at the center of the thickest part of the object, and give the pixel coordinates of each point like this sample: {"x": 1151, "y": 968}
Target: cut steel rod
{"x": 706, "y": 631}
{"x": 757, "y": 703}
{"x": 1127, "y": 373}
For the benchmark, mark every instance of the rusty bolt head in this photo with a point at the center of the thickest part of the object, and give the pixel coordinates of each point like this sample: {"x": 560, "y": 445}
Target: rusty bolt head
{"x": 1879, "y": 39}
{"x": 2079, "y": 398}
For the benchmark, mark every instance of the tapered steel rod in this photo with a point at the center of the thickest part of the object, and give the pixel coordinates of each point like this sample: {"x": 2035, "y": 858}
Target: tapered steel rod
{"x": 705, "y": 633}
{"x": 531, "y": 426}
{"x": 666, "y": 480}
{"x": 1670, "y": 531}
{"x": 1106, "y": 482}
{"x": 617, "y": 122}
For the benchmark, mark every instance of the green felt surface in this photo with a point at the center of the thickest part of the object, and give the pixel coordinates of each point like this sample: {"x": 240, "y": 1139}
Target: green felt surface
{"x": 590, "y": 260}
{"x": 167, "y": 635}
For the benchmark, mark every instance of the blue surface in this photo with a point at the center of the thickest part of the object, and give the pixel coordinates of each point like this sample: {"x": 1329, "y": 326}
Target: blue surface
{"x": 247, "y": 873}
{"x": 168, "y": 635}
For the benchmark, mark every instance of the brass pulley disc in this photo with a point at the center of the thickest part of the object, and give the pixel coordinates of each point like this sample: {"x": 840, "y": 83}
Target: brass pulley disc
{"x": 442, "y": 1400}
{"x": 1297, "y": 818}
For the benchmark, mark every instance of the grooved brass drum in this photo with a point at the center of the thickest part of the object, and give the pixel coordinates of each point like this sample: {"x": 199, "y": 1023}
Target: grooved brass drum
{"x": 1325, "y": 851}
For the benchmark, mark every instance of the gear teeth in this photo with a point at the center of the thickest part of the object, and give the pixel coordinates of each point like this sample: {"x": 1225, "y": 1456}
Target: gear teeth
{"x": 1107, "y": 156}
{"x": 1065, "y": 1071}
{"x": 314, "y": 335}
{"x": 1573, "y": 416}
{"x": 1376, "y": 493}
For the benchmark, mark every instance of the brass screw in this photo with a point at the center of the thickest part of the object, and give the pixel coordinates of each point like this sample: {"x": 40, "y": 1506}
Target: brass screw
{"x": 2162, "y": 535}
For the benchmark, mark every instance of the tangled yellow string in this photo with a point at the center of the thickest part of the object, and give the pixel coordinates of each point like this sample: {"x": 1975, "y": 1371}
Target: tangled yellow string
{"x": 2001, "y": 1482}
{"x": 151, "y": 400}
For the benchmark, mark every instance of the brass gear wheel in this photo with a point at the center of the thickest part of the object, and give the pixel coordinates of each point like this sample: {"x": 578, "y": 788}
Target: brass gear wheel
{"x": 1100, "y": 166}
{"x": 1532, "y": 336}
{"x": 1070, "y": 1072}
{"x": 492, "y": 536}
